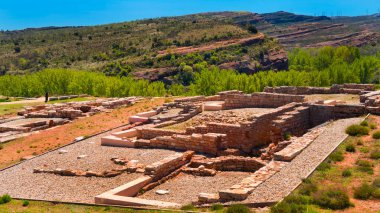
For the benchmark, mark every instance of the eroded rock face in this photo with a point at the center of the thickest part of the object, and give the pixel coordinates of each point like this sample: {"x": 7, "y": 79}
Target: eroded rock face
{"x": 274, "y": 60}
{"x": 159, "y": 74}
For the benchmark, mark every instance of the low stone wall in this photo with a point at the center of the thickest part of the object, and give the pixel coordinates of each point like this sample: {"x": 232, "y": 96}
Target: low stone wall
{"x": 335, "y": 89}
{"x": 323, "y": 113}
{"x": 148, "y": 133}
{"x": 209, "y": 143}
{"x": 266, "y": 100}
{"x": 298, "y": 90}
{"x": 167, "y": 165}
{"x": 228, "y": 163}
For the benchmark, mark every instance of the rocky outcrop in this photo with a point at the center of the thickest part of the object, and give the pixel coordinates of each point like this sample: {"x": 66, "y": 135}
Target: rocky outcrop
{"x": 274, "y": 60}
{"x": 159, "y": 74}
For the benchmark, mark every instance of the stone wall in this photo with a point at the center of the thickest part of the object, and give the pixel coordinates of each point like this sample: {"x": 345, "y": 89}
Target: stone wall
{"x": 209, "y": 143}
{"x": 267, "y": 100}
{"x": 322, "y": 113}
{"x": 167, "y": 165}
{"x": 248, "y": 135}
{"x": 295, "y": 122}
{"x": 335, "y": 89}
{"x": 150, "y": 132}
{"x": 228, "y": 163}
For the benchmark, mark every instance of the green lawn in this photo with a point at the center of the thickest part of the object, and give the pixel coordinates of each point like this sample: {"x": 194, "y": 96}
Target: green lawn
{"x": 12, "y": 108}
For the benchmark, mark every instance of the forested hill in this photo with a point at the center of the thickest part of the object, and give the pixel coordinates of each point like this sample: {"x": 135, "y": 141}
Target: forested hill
{"x": 157, "y": 49}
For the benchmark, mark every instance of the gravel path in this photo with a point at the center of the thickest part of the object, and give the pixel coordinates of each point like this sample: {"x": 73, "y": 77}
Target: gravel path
{"x": 284, "y": 182}
{"x": 185, "y": 188}
{"x": 20, "y": 181}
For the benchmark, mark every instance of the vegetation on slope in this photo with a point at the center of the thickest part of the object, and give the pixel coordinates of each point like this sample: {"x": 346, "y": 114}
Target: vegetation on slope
{"x": 118, "y": 49}
{"x": 123, "y": 48}
{"x": 315, "y": 67}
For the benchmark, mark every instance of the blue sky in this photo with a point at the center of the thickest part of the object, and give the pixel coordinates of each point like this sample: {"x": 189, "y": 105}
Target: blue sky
{"x": 19, "y": 14}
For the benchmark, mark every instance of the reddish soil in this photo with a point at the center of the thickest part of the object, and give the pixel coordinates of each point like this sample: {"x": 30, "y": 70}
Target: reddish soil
{"x": 349, "y": 162}
{"x": 52, "y": 138}
{"x": 216, "y": 45}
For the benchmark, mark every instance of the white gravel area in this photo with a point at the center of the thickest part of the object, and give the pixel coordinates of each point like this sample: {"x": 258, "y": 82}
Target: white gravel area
{"x": 285, "y": 181}
{"x": 20, "y": 181}
{"x": 185, "y": 188}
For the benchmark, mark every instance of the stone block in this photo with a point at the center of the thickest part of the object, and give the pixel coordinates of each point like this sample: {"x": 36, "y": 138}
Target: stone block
{"x": 112, "y": 140}
{"x": 136, "y": 119}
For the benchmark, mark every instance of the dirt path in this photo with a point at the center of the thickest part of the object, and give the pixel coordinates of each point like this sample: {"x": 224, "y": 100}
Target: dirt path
{"x": 49, "y": 139}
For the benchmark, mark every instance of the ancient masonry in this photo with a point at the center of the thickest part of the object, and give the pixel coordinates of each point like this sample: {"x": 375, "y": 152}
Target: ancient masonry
{"x": 42, "y": 117}
{"x": 261, "y": 146}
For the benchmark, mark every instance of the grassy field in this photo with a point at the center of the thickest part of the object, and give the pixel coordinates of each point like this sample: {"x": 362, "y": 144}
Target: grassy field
{"x": 355, "y": 163}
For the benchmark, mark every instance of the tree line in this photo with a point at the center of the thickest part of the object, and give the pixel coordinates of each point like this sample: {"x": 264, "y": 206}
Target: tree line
{"x": 313, "y": 67}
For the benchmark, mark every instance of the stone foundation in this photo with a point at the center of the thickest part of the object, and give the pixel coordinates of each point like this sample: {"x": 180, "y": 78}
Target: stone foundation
{"x": 228, "y": 163}
{"x": 335, "y": 89}
{"x": 208, "y": 143}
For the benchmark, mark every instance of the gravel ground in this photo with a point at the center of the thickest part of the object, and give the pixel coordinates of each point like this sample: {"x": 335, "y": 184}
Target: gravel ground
{"x": 284, "y": 182}
{"x": 185, "y": 188}
{"x": 233, "y": 116}
{"x": 20, "y": 181}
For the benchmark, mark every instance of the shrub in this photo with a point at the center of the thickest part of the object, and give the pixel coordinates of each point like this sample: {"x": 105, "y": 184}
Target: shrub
{"x": 376, "y": 135}
{"x": 375, "y": 154}
{"x": 324, "y": 166}
{"x": 337, "y": 156}
{"x": 346, "y": 173}
{"x": 25, "y": 203}
{"x": 1, "y": 146}
{"x": 350, "y": 148}
{"x": 298, "y": 199}
{"x": 238, "y": 208}
{"x": 287, "y": 136}
{"x": 364, "y": 149}
{"x": 357, "y": 130}
{"x": 376, "y": 183}
{"x": 285, "y": 207}
{"x": 359, "y": 142}
{"x": 364, "y": 123}
{"x": 188, "y": 207}
{"x": 363, "y": 192}
{"x": 376, "y": 193}
{"x": 372, "y": 126}
{"x": 332, "y": 199}
{"x": 307, "y": 187}
{"x": 5, "y": 199}
{"x": 216, "y": 207}
{"x": 365, "y": 166}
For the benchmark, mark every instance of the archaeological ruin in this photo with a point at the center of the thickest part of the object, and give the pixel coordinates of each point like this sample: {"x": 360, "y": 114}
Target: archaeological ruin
{"x": 232, "y": 147}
